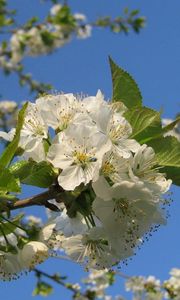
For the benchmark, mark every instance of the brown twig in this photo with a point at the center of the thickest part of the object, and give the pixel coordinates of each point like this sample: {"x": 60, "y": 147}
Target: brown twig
{"x": 40, "y": 199}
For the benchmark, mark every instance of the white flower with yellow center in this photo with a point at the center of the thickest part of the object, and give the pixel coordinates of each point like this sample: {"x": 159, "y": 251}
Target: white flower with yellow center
{"x": 125, "y": 206}
{"x": 114, "y": 167}
{"x": 33, "y": 134}
{"x": 91, "y": 249}
{"x": 111, "y": 122}
{"x": 142, "y": 168}
{"x": 58, "y": 111}
{"x": 79, "y": 154}
{"x": 119, "y": 131}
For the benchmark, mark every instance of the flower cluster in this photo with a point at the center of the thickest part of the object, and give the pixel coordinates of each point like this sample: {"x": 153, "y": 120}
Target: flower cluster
{"x": 112, "y": 189}
{"x": 98, "y": 281}
{"x": 44, "y": 38}
{"x": 151, "y": 288}
{"x": 145, "y": 288}
{"x": 172, "y": 285}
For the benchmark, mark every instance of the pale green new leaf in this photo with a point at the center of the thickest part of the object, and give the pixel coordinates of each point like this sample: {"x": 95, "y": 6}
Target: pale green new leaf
{"x": 22, "y": 169}
{"x": 31, "y": 173}
{"x": 8, "y": 183}
{"x": 42, "y": 289}
{"x": 125, "y": 89}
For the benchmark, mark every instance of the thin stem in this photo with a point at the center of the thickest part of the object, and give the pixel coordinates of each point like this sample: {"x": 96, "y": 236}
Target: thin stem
{"x": 2, "y": 231}
{"x": 15, "y": 225}
{"x": 55, "y": 278}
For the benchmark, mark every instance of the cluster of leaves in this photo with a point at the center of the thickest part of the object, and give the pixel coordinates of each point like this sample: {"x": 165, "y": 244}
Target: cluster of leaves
{"x": 125, "y": 23}
{"x": 6, "y": 15}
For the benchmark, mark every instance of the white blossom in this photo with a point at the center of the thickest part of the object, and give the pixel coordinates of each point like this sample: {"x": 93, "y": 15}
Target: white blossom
{"x": 70, "y": 226}
{"x": 79, "y": 154}
{"x": 135, "y": 284}
{"x": 7, "y": 107}
{"x": 10, "y": 266}
{"x": 84, "y": 31}
{"x": 13, "y": 265}
{"x": 33, "y": 253}
{"x": 55, "y": 9}
{"x": 32, "y": 136}
{"x": 58, "y": 111}
{"x": 142, "y": 168}
{"x": 90, "y": 249}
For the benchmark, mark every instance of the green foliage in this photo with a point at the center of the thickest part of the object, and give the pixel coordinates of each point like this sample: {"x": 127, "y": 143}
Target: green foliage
{"x": 10, "y": 150}
{"x": 31, "y": 173}
{"x": 168, "y": 156}
{"x": 31, "y": 22}
{"x": 6, "y": 200}
{"x": 80, "y": 201}
{"x": 125, "y": 88}
{"x": 125, "y": 23}
{"x": 8, "y": 183}
{"x": 47, "y": 38}
{"x": 42, "y": 289}
{"x": 145, "y": 122}
{"x": 63, "y": 17}
{"x": 5, "y": 20}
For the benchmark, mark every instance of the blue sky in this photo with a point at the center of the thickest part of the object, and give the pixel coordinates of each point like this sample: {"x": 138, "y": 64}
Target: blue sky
{"x": 152, "y": 57}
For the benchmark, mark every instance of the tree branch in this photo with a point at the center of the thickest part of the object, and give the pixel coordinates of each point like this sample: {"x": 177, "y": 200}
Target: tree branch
{"x": 41, "y": 199}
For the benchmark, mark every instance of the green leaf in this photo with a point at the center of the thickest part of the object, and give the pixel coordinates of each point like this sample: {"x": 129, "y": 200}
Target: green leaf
{"x": 125, "y": 88}
{"x": 145, "y": 122}
{"x": 22, "y": 169}
{"x": 167, "y": 151}
{"x": 7, "y": 197}
{"x": 5, "y": 200}
{"x": 10, "y": 150}
{"x": 31, "y": 173}
{"x": 8, "y": 183}
{"x": 43, "y": 289}
{"x": 47, "y": 38}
